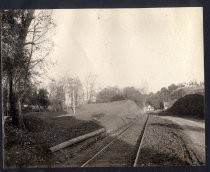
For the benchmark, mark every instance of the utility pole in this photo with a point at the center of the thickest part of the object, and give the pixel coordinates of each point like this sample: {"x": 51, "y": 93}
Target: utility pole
{"x": 145, "y": 98}
{"x": 73, "y": 101}
{"x": 144, "y": 91}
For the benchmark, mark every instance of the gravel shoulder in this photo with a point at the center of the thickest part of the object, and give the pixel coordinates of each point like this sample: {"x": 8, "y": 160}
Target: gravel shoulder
{"x": 166, "y": 143}
{"x": 195, "y": 130}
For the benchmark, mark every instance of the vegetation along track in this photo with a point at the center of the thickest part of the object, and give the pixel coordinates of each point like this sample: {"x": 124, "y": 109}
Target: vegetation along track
{"x": 123, "y": 149}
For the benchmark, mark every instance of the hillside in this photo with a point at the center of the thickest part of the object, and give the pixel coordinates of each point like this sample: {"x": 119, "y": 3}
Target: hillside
{"x": 111, "y": 115}
{"x": 191, "y": 105}
{"x": 190, "y": 90}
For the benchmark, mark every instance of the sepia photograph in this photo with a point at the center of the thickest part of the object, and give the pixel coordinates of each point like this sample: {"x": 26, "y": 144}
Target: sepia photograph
{"x": 115, "y": 87}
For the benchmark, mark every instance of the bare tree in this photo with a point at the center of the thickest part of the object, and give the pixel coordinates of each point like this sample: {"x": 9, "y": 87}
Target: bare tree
{"x": 56, "y": 95}
{"x": 73, "y": 91}
{"x": 89, "y": 88}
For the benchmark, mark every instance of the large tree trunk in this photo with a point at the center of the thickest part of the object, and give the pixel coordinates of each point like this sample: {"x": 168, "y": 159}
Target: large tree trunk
{"x": 21, "y": 123}
{"x": 12, "y": 102}
{"x": 21, "y": 31}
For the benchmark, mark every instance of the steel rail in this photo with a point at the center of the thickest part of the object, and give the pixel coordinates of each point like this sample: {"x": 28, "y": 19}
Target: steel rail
{"x": 115, "y": 138}
{"x": 141, "y": 141}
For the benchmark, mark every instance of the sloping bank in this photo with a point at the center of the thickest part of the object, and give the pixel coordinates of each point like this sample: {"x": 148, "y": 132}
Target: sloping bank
{"x": 111, "y": 116}
{"x": 191, "y": 105}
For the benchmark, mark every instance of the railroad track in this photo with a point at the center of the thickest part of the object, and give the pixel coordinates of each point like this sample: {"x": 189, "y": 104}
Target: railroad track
{"x": 141, "y": 141}
{"x": 123, "y": 149}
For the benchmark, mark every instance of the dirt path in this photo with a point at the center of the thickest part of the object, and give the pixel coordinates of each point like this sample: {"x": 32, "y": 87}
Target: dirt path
{"x": 195, "y": 130}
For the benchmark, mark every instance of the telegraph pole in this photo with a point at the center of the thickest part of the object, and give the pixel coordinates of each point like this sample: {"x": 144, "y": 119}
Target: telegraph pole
{"x": 73, "y": 101}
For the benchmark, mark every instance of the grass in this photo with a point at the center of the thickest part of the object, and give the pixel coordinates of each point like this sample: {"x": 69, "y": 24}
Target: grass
{"x": 110, "y": 115}
{"x": 31, "y": 147}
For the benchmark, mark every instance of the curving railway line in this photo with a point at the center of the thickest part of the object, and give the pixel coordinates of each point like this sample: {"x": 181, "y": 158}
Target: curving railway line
{"x": 123, "y": 149}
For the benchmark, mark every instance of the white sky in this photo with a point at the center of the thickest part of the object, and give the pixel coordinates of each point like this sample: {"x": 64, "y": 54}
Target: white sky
{"x": 125, "y": 47}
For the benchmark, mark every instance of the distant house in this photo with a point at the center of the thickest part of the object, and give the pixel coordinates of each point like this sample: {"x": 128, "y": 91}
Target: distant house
{"x": 149, "y": 108}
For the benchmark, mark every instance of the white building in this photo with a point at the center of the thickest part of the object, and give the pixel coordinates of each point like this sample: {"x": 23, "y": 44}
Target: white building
{"x": 149, "y": 108}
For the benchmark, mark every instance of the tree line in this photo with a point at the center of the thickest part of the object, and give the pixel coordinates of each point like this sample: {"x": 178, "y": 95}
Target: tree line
{"x": 68, "y": 93}
{"x": 25, "y": 47}
{"x": 64, "y": 94}
{"x": 110, "y": 94}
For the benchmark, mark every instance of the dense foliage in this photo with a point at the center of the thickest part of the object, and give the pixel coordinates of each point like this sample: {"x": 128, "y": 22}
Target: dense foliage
{"x": 173, "y": 93}
{"x": 115, "y": 94}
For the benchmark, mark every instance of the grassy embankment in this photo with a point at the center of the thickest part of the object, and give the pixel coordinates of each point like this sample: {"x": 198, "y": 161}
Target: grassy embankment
{"x": 46, "y": 129}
